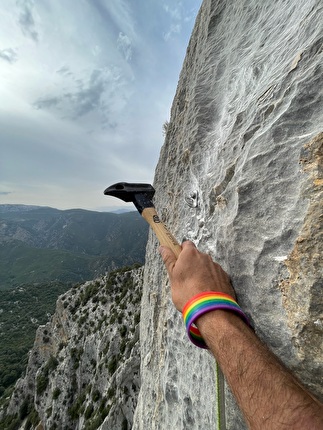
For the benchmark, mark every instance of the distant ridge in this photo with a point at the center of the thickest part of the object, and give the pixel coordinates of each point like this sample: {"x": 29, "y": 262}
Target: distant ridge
{"x": 25, "y": 208}
{"x": 17, "y": 208}
{"x": 43, "y": 244}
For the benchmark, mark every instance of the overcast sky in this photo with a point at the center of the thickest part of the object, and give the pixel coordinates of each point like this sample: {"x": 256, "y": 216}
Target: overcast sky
{"x": 85, "y": 87}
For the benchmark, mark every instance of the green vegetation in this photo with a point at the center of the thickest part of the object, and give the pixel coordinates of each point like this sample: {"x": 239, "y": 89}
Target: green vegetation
{"x": 56, "y": 393}
{"x": 76, "y": 355}
{"x": 90, "y": 292}
{"x": 86, "y": 400}
{"x": 22, "y": 310}
{"x": 94, "y": 415}
{"x": 42, "y": 252}
{"x": 43, "y": 378}
{"x": 27, "y": 410}
{"x": 77, "y": 407}
{"x": 20, "y": 264}
{"x": 45, "y": 244}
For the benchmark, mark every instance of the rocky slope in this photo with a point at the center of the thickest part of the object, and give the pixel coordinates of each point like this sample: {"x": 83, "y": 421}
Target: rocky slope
{"x": 240, "y": 174}
{"x": 84, "y": 369}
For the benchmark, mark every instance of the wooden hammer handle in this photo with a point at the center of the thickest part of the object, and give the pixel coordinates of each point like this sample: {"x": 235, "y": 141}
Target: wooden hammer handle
{"x": 164, "y": 236}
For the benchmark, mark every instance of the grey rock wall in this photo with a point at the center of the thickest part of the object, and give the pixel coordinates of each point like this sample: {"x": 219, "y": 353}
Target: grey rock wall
{"x": 240, "y": 174}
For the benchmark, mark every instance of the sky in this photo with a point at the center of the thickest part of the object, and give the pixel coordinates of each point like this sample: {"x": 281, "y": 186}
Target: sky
{"x": 85, "y": 88}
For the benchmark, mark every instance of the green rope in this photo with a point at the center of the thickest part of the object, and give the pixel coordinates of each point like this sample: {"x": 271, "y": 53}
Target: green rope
{"x": 220, "y": 400}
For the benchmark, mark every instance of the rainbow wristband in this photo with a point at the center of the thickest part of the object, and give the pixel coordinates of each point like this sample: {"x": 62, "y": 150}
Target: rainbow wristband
{"x": 203, "y": 303}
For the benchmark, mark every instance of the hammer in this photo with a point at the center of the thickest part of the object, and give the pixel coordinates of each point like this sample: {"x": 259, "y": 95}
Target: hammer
{"x": 141, "y": 195}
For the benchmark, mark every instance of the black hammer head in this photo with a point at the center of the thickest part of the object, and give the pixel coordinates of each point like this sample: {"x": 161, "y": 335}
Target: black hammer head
{"x": 140, "y": 194}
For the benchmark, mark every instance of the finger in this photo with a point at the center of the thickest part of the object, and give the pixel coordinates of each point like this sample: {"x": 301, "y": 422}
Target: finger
{"x": 169, "y": 258}
{"x": 188, "y": 244}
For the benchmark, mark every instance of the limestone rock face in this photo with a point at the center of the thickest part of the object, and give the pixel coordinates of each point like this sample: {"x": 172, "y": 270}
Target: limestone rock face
{"x": 84, "y": 368}
{"x": 240, "y": 174}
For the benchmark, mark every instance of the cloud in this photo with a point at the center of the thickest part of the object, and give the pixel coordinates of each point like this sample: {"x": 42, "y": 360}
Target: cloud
{"x": 26, "y": 19}
{"x": 120, "y": 13}
{"x": 174, "y": 29}
{"x": 5, "y": 193}
{"x": 99, "y": 93}
{"x": 64, "y": 71}
{"x": 180, "y": 14}
{"x": 175, "y": 13}
{"x": 9, "y": 55}
{"x": 47, "y": 102}
{"x": 125, "y": 46}
{"x": 86, "y": 103}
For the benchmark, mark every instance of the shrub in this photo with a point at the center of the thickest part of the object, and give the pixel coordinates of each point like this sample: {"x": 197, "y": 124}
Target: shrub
{"x": 61, "y": 346}
{"x": 137, "y": 318}
{"x": 123, "y": 346}
{"x": 112, "y": 366}
{"x": 123, "y": 331}
{"x": 96, "y": 395}
{"x": 42, "y": 379}
{"x": 89, "y": 412}
{"x": 41, "y": 383}
{"x": 124, "y": 424}
{"x": 24, "y": 409}
{"x": 56, "y": 393}
{"x": 32, "y": 420}
{"x": 76, "y": 409}
{"x": 52, "y": 363}
{"x": 104, "y": 300}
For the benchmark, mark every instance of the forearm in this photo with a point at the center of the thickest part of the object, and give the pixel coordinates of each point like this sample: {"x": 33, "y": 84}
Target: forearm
{"x": 268, "y": 395}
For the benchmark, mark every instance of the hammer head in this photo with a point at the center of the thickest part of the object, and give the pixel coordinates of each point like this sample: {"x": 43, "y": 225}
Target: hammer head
{"x": 140, "y": 194}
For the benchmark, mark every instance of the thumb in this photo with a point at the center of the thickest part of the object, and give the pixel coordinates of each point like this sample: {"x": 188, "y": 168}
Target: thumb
{"x": 168, "y": 257}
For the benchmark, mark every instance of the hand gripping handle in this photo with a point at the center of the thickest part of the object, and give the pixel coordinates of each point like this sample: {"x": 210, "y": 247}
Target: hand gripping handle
{"x": 163, "y": 234}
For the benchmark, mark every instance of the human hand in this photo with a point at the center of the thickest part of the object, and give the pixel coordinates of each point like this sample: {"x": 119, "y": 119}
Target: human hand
{"x": 192, "y": 273}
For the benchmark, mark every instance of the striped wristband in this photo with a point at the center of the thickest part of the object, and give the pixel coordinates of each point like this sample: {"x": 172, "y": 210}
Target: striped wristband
{"x": 203, "y": 303}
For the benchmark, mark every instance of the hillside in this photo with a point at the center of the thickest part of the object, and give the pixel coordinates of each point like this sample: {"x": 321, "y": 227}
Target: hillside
{"x": 22, "y": 310}
{"x": 40, "y": 244}
{"x": 84, "y": 367}
{"x": 43, "y": 251}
